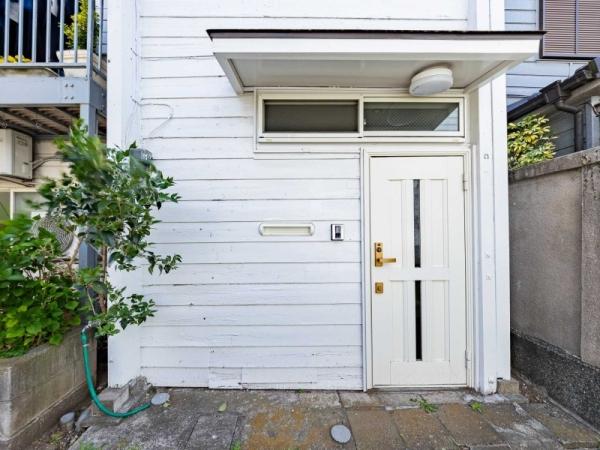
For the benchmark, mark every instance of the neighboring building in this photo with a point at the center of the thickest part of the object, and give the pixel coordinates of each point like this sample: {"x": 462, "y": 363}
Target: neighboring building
{"x": 42, "y": 92}
{"x": 297, "y": 150}
{"x": 571, "y": 39}
{"x": 573, "y": 107}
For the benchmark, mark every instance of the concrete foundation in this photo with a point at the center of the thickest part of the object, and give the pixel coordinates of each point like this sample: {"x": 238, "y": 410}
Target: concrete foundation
{"x": 567, "y": 379}
{"x": 36, "y": 389}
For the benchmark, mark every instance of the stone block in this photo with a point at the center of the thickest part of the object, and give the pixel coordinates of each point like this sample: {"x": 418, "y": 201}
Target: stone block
{"x": 112, "y": 398}
{"x": 508, "y": 387}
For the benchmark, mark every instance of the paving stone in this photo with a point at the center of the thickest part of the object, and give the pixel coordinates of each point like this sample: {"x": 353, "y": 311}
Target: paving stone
{"x": 441, "y": 397}
{"x": 319, "y": 399}
{"x": 374, "y": 429}
{"x": 517, "y": 427}
{"x": 283, "y": 427}
{"x": 421, "y": 430}
{"x": 494, "y": 398}
{"x": 467, "y": 427}
{"x": 569, "y": 432}
{"x": 156, "y": 428}
{"x": 490, "y": 447}
{"x": 213, "y": 432}
{"x": 358, "y": 399}
{"x": 398, "y": 400}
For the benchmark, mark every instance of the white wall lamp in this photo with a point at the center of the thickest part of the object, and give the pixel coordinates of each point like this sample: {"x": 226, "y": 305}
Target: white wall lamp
{"x": 434, "y": 80}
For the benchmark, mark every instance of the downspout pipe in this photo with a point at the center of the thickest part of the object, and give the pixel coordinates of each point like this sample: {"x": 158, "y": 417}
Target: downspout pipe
{"x": 578, "y": 121}
{"x": 556, "y": 96}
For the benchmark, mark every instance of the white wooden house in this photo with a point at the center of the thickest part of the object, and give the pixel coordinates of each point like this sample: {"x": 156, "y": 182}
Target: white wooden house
{"x": 337, "y": 232}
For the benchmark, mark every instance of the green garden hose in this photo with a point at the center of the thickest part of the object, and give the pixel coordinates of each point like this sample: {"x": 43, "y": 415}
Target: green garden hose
{"x": 90, "y": 383}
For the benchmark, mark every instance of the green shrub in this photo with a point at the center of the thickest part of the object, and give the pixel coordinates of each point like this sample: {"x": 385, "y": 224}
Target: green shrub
{"x": 529, "y": 141}
{"x": 82, "y": 18}
{"x": 38, "y": 301}
{"x": 108, "y": 200}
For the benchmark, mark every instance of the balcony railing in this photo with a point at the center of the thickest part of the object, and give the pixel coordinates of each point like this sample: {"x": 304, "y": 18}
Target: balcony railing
{"x": 53, "y": 34}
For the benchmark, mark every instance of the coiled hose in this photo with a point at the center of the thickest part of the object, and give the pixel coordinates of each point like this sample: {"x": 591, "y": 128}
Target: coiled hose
{"x": 90, "y": 382}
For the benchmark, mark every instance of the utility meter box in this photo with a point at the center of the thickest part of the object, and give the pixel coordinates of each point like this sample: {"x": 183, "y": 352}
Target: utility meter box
{"x": 16, "y": 154}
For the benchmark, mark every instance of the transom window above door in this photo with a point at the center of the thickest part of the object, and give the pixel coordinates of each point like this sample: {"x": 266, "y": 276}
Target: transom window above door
{"x": 356, "y": 118}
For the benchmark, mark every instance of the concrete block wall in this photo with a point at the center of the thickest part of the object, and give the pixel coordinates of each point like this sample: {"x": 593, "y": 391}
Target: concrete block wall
{"x": 555, "y": 278}
{"x": 555, "y": 252}
{"x": 39, "y": 387}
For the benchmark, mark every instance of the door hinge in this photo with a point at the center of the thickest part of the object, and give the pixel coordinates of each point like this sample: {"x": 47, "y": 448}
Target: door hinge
{"x": 466, "y": 359}
{"x": 465, "y": 183}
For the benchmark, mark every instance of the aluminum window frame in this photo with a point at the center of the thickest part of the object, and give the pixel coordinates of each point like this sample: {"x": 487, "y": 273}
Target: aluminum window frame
{"x": 431, "y": 100}
{"x": 264, "y": 136}
{"x": 265, "y": 139}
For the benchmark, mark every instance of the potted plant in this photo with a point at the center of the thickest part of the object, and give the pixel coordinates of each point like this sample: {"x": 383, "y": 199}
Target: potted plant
{"x": 81, "y": 18}
{"x": 30, "y": 71}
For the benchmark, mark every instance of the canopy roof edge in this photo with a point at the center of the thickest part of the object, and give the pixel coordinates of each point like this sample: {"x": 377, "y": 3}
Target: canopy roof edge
{"x": 365, "y": 58}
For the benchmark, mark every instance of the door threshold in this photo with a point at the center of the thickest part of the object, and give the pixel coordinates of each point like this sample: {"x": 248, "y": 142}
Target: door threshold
{"x": 420, "y": 388}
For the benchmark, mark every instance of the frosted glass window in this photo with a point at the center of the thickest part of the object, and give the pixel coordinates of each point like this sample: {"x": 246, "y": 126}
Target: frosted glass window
{"x": 411, "y": 116}
{"x": 310, "y": 116}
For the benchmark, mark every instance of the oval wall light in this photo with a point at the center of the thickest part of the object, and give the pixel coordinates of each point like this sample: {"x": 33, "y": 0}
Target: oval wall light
{"x": 431, "y": 81}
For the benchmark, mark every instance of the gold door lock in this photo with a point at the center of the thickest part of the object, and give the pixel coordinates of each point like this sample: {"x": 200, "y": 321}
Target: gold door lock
{"x": 379, "y": 287}
{"x": 379, "y": 259}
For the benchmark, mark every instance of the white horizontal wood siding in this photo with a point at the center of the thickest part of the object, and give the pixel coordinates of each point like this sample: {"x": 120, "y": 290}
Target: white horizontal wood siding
{"x": 528, "y": 78}
{"x": 245, "y": 310}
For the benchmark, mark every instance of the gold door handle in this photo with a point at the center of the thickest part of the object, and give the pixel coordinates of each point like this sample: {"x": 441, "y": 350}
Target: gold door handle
{"x": 379, "y": 259}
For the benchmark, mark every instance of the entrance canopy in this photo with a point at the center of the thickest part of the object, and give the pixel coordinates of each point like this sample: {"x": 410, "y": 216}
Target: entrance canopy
{"x": 365, "y": 59}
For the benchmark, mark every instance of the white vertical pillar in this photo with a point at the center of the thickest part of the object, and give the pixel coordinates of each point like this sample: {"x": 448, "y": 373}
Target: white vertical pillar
{"x": 124, "y": 354}
{"x": 497, "y": 22}
{"x": 484, "y": 250}
{"x": 491, "y": 252}
{"x": 501, "y": 228}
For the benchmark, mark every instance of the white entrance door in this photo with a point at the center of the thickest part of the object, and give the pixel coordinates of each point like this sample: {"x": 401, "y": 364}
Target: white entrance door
{"x": 419, "y": 324}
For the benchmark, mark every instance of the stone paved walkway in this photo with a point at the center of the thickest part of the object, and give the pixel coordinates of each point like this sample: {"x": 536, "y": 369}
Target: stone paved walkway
{"x": 249, "y": 420}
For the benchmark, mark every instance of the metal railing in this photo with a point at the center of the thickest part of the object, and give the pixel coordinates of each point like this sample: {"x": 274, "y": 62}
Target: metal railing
{"x": 41, "y": 33}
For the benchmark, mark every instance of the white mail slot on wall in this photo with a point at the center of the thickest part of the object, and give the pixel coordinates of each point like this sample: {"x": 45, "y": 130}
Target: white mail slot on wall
{"x": 286, "y": 229}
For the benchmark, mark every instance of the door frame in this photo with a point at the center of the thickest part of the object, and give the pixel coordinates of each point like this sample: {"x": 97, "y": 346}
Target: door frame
{"x": 368, "y": 152}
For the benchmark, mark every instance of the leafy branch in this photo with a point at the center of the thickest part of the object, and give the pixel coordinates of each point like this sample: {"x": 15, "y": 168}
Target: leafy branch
{"x": 108, "y": 200}
{"x": 529, "y": 141}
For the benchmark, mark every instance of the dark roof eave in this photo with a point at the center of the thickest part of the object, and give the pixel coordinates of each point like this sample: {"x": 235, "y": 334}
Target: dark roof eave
{"x": 582, "y": 76}
{"x": 230, "y": 33}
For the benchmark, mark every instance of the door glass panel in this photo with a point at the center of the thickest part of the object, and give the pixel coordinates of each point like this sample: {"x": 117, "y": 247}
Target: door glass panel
{"x": 417, "y": 220}
{"x": 418, "y": 322}
{"x": 411, "y": 116}
{"x": 311, "y": 116}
